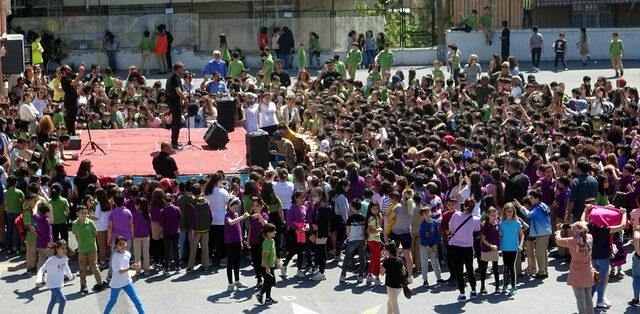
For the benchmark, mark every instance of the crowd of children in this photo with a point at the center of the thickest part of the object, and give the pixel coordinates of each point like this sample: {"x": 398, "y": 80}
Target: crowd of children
{"x": 438, "y": 170}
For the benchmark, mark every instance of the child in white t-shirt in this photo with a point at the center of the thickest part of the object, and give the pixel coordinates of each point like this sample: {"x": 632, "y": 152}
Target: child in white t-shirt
{"x": 56, "y": 267}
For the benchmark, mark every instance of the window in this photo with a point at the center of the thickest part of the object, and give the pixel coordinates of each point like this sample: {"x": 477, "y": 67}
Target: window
{"x": 592, "y": 15}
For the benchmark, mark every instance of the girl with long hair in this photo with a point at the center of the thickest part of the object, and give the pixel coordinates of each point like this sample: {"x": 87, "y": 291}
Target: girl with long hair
{"x": 490, "y": 239}
{"x": 373, "y": 221}
{"x": 233, "y": 242}
{"x": 511, "y": 241}
{"x": 296, "y": 225}
{"x": 320, "y": 229}
{"x": 259, "y": 218}
{"x": 56, "y": 267}
{"x": 580, "y": 278}
{"x": 103, "y": 209}
{"x": 462, "y": 227}
{"x": 276, "y": 213}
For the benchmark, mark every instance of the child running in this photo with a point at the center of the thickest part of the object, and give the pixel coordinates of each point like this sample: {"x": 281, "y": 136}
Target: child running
{"x": 121, "y": 279}
{"x": 56, "y": 267}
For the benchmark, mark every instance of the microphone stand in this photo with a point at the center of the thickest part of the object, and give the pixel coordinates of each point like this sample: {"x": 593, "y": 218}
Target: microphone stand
{"x": 189, "y": 143}
{"x": 94, "y": 145}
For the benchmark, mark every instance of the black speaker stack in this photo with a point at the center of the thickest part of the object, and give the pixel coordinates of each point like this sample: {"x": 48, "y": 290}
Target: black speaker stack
{"x": 258, "y": 149}
{"x": 227, "y": 113}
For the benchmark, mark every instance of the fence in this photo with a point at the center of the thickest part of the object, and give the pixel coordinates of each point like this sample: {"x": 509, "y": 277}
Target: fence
{"x": 405, "y": 27}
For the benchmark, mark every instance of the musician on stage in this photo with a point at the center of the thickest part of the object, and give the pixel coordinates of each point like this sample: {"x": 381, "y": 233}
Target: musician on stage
{"x": 70, "y": 87}
{"x": 175, "y": 96}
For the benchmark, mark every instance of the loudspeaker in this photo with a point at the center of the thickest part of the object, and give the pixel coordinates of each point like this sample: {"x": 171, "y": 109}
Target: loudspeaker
{"x": 14, "y": 59}
{"x": 217, "y": 136}
{"x": 258, "y": 149}
{"x": 75, "y": 143}
{"x": 227, "y": 113}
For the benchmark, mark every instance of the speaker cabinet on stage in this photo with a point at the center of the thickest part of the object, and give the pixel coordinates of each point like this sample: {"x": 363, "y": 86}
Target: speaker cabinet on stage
{"x": 217, "y": 136}
{"x": 258, "y": 149}
{"x": 14, "y": 59}
{"x": 75, "y": 143}
{"x": 227, "y": 113}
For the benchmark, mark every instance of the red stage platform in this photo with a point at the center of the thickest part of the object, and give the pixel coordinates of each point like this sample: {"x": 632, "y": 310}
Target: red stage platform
{"x": 130, "y": 151}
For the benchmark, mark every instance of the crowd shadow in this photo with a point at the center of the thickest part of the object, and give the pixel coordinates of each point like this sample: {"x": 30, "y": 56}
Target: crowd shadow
{"x": 27, "y": 294}
{"x": 229, "y": 297}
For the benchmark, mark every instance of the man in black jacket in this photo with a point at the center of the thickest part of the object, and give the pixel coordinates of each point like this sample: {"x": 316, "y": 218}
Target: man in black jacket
{"x": 285, "y": 79}
{"x": 518, "y": 184}
{"x": 286, "y": 46}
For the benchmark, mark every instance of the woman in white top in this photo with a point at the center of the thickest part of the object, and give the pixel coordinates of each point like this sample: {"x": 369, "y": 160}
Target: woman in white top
{"x": 121, "y": 279}
{"x": 41, "y": 101}
{"x": 268, "y": 114}
{"x": 28, "y": 112}
{"x": 251, "y": 118}
{"x": 56, "y": 267}
{"x": 218, "y": 198}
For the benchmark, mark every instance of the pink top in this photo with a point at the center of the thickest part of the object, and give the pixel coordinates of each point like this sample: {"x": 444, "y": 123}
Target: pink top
{"x": 580, "y": 270}
{"x": 635, "y": 217}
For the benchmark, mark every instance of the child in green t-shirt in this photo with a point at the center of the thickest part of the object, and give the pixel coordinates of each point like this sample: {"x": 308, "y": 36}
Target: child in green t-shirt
{"x": 314, "y": 47}
{"x": 85, "y": 231}
{"x": 145, "y": 46}
{"x": 436, "y": 72}
{"x": 302, "y": 58}
{"x": 269, "y": 261}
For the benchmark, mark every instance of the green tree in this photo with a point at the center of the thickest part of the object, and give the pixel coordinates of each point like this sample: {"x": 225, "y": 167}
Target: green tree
{"x": 403, "y": 28}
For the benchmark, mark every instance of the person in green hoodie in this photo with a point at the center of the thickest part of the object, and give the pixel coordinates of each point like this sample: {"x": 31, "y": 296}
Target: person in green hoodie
{"x": 302, "y": 58}
{"x": 224, "y": 48}
{"x": 267, "y": 68}
{"x": 145, "y": 46}
{"x": 385, "y": 59}
{"x": 340, "y": 67}
{"x": 235, "y": 66}
{"x": 354, "y": 58}
{"x": 314, "y": 47}
{"x": 616, "y": 51}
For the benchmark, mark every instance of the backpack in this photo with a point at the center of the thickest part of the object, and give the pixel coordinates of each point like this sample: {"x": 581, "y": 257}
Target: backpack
{"x": 22, "y": 229}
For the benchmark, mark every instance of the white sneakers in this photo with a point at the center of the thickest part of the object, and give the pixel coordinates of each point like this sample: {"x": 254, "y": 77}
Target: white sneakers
{"x": 239, "y": 285}
{"x": 231, "y": 287}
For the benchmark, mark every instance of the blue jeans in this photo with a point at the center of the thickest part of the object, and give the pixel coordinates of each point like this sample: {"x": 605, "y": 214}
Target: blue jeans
{"x": 635, "y": 274}
{"x": 113, "y": 62}
{"x": 56, "y": 297}
{"x": 185, "y": 236}
{"x": 602, "y": 266}
{"x": 287, "y": 58}
{"x": 369, "y": 56}
{"x": 13, "y": 238}
{"x": 130, "y": 290}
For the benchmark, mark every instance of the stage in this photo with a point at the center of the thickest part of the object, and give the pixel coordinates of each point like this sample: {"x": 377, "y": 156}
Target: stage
{"x": 130, "y": 151}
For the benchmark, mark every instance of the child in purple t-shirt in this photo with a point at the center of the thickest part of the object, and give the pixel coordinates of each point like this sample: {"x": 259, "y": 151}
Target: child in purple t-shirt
{"x": 170, "y": 222}
{"x": 233, "y": 241}
{"x": 120, "y": 224}
{"x": 259, "y": 218}
{"x": 44, "y": 234}
{"x": 141, "y": 232}
{"x": 489, "y": 242}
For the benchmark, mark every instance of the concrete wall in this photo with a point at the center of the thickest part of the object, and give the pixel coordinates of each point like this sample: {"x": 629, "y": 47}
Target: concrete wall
{"x": 598, "y": 43}
{"x": 193, "y": 61}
